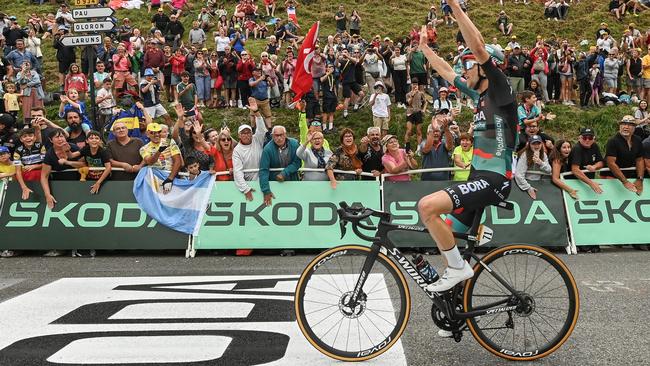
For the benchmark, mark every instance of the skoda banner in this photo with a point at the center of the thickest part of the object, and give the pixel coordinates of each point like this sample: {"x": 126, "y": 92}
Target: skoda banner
{"x": 108, "y": 220}
{"x": 601, "y": 218}
{"x": 302, "y": 215}
{"x": 541, "y": 221}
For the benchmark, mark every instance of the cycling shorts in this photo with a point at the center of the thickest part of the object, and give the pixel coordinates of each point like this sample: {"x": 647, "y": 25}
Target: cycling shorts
{"x": 483, "y": 188}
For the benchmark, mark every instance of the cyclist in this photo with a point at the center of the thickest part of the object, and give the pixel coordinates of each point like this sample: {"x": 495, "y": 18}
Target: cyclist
{"x": 495, "y": 138}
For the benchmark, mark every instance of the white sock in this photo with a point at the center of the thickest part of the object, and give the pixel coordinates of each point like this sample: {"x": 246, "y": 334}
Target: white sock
{"x": 331, "y": 126}
{"x": 453, "y": 257}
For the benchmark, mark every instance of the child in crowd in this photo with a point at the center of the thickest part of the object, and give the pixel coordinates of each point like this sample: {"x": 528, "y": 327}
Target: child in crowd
{"x": 11, "y": 100}
{"x": 193, "y": 167}
{"x": 28, "y": 158}
{"x": 105, "y": 102}
{"x": 96, "y": 156}
{"x": 185, "y": 92}
{"x": 71, "y": 101}
{"x": 380, "y": 103}
{"x": 7, "y": 168}
{"x": 77, "y": 80}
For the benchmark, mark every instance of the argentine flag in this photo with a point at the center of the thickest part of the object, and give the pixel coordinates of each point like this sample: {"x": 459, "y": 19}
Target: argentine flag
{"x": 181, "y": 209}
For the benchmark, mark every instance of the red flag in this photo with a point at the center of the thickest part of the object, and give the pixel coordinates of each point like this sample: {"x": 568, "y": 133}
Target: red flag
{"x": 302, "y": 79}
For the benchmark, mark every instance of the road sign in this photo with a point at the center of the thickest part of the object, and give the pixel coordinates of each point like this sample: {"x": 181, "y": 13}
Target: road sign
{"x": 93, "y": 26}
{"x": 85, "y": 13}
{"x": 85, "y": 2}
{"x": 82, "y": 40}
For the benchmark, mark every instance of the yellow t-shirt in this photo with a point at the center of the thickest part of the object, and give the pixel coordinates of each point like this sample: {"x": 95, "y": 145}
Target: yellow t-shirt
{"x": 165, "y": 160}
{"x": 645, "y": 62}
{"x": 466, "y": 157}
{"x": 8, "y": 168}
{"x": 12, "y": 102}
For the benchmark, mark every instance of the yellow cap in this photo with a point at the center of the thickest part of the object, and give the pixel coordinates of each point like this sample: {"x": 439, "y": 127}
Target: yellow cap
{"x": 154, "y": 127}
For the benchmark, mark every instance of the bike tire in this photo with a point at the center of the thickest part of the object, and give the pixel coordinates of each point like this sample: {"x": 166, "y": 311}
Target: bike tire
{"x": 332, "y": 276}
{"x": 564, "y": 300}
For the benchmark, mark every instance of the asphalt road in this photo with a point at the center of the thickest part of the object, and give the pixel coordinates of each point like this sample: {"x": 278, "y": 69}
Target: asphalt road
{"x": 44, "y": 297}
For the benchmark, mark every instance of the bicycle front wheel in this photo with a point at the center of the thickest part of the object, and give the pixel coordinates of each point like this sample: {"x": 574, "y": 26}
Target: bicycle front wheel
{"x": 537, "y": 327}
{"x": 345, "y": 331}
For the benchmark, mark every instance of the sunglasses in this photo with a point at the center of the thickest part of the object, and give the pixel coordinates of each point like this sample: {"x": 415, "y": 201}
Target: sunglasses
{"x": 587, "y": 138}
{"x": 226, "y": 139}
{"x": 468, "y": 64}
{"x": 316, "y": 124}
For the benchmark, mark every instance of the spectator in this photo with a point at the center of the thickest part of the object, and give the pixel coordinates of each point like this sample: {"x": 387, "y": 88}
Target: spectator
{"x": 596, "y": 82}
{"x": 163, "y": 155}
{"x": 646, "y": 155}
{"x": 122, "y": 69}
{"x": 398, "y": 63}
{"x": 625, "y": 150}
{"x": 642, "y": 117}
{"x": 462, "y": 156}
{"x": 61, "y": 156}
{"x": 537, "y": 91}
{"x": 105, "y": 52}
{"x": 582, "y": 73}
{"x": 76, "y": 130}
{"x": 443, "y": 101}
{"x": 19, "y": 55}
{"x": 245, "y": 68}
{"x": 346, "y": 158}
{"x": 202, "y": 78}
{"x": 196, "y": 35}
{"x": 515, "y": 69}
{"x": 280, "y": 153}
{"x": 435, "y": 149}
{"x": 8, "y": 138}
{"x": 314, "y": 155}
{"x": 11, "y": 100}
{"x": 610, "y": 72}
{"x": 288, "y": 68}
{"x": 634, "y": 73}
{"x": 617, "y": 8}
{"x": 228, "y": 68}
{"x": 238, "y": 41}
{"x": 355, "y": 23}
{"x": 28, "y": 159}
{"x": 417, "y": 66}
{"x": 347, "y": 65}
{"x": 159, "y": 20}
{"x": 528, "y": 112}
{"x": 177, "y": 62}
{"x": 33, "y": 44}
{"x": 531, "y": 130}
{"x": 193, "y": 142}
{"x": 77, "y": 80}
{"x": 223, "y": 154}
{"x": 185, "y": 92}
{"x": 330, "y": 101}
{"x": 269, "y": 5}
{"x": 7, "y": 170}
{"x": 341, "y": 20}
{"x": 154, "y": 59}
{"x": 221, "y": 40}
{"x": 95, "y": 156}
{"x": 174, "y": 31}
{"x": 533, "y": 158}
{"x": 248, "y": 152}
{"x": 100, "y": 75}
{"x": 396, "y": 160}
{"x": 539, "y": 71}
{"x": 133, "y": 114}
{"x": 105, "y": 104}
{"x": 503, "y": 23}
{"x": 371, "y": 152}
{"x": 216, "y": 80}
{"x": 559, "y": 159}
{"x": 65, "y": 55}
{"x": 124, "y": 153}
{"x": 70, "y": 101}
{"x": 586, "y": 155}
{"x": 43, "y": 127}
{"x": 416, "y": 105}
{"x": 150, "y": 91}
{"x": 380, "y": 103}
{"x": 645, "y": 65}
{"x": 63, "y": 16}
{"x": 563, "y": 9}
{"x": 260, "y": 84}
{"x": 606, "y": 42}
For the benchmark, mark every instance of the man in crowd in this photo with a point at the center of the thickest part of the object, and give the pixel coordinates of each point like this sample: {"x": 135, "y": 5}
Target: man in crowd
{"x": 246, "y": 155}
{"x": 625, "y": 150}
{"x": 76, "y": 131}
{"x": 371, "y": 152}
{"x": 161, "y": 154}
{"x": 533, "y": 129}
{"x": 174, "y": 31}
{"x": 436, "y": 149}
{"x": 341, "y": 20}
{"x": 19, "y": 55}
{"x": 124, "y": 152}
{"x": 280, "y": 153}
{"x": 586, "y": 155}
{"x": 150, "y": 90}
{"x": 154, "y": 59}
{"x": 515, "y": 69}
{"x": 347, "y": 65}
{"x": 260, "y": 84}
{"x": 159, "y": 21}
{"x": 43, "y": 127}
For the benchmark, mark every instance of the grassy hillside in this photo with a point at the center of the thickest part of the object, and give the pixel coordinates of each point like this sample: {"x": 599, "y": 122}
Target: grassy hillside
{"x": 394, "y": 19}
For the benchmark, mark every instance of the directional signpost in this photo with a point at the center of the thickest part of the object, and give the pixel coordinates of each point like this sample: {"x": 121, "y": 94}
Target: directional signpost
{"x": 97, "y": 23}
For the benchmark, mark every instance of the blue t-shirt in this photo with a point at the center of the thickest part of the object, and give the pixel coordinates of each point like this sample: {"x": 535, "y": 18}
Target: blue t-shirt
{"x": 238, "y": 46}
{"x": 259, "y": 91}
{"x": 82, "y": 110}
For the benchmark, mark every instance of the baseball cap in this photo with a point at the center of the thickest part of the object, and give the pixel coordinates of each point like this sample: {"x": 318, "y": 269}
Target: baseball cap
{"x": 154, "y": 127}
{"x": 243, "y": 127}
{"x": 379, "y": 83}
{"x": 443, "y": 89}
{"x": 4, "y": 150}
{"x": 513, "y": 37}
{"x": 587, "y": 132}
{"x": 516, "y": 45}
{"x": 148, "y": 72}
{"x": 535, "y": 139}
{"x": 441, "y": 111}
{"x": 627, "y": 119}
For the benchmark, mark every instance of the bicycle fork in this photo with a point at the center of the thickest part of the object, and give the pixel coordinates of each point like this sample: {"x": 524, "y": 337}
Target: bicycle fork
{"x": 367, "y": 267}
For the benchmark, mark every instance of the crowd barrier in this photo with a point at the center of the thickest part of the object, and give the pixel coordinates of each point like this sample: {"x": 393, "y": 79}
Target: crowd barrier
{"x": 303, "y": 215}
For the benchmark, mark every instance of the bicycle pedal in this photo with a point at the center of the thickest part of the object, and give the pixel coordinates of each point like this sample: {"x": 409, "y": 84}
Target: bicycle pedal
{"x": 458, "y": 336}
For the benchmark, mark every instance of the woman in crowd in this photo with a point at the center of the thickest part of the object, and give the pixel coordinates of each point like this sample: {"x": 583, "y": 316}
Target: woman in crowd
{"x": 315, "y": 156}
{"x": 355, "y": 23}
{"x": 202, "y": 78}
{"x": 75, "y": 79}
{"x": 189, "y": 131}
{"x": 33, "y": 45}
{"x": 399, "y": 62}
{"x": 288, "y": 67}
{"x": 268, "y": 68}
{"x": 535, "y": 88}
{"x": 136, "y": 41}
{"x": 539, "y": 71}
{"x": 396, "y": 160}
{"x": 565, "y": 69}
{"x": 560, "y": 164}
{"x": 642, "y": 117}
{"x": 344, "y": 158}
{"x": 533, "y": 158}
{"x": 31, "y": 88}
{"x": 216, "y": 80}
{"x": 463, "y": 155}
{"x": 610, "y": 72}
{"x": 223, "y": 154}
{"x": 167, "y": 73}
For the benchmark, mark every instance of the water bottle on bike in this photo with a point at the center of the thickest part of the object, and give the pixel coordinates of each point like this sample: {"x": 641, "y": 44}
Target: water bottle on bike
{"x": 425, "y": 268}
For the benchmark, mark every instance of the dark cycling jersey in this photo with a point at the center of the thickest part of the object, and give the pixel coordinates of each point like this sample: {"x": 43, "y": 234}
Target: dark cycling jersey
{"x": 495, "y": 122}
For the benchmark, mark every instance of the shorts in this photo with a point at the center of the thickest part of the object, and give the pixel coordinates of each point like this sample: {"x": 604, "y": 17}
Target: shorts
{"x": 609, "y": 83}
{"x": 415, "y": 118}
{"x": 329, "y": 105}
{"x": 564, "y": 77}
{"x": 635, "y": 83}
{"x": 646, "y": 83}
{"x": 422, "y": 79}
{"x": 349, "y": 88}
{"x": 156, "y": 111}
{"x": 381, "y": 122}
{"x": 119, "y": 77}
{"x": 175, "y": 79}
{"x": 312, "y": 109}
{"x": 483, "y": 188}
{"x": 264, "y": 108}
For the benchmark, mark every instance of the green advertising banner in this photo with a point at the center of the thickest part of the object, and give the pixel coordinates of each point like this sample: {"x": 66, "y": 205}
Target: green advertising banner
{"x": 303, "y": 215}
{"x": 108, "y": 220}
{"x": 598, "y": 219}
{"x": 540, "y": 222}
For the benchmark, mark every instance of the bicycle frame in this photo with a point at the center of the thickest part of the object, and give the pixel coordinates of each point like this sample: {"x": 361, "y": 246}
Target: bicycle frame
{"x": 381, "y": 243}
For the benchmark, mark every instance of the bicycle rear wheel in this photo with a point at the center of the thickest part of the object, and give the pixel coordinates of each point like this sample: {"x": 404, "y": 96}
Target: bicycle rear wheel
{"x": 540, "y": 326}
{"x": 341, "y": 331}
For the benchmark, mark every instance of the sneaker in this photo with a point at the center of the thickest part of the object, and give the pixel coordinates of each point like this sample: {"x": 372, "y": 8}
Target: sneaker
{"x": 345, "y": 113}
{"x": 451, "y": 278}
{"x": 53, "y": 253}
{"x": 356, "y": 107}
{"x": 76, "y": 253}
{"x": 445, "y": 333}
{"x": 7, "y": 254}
{"x": 239, "y": 104}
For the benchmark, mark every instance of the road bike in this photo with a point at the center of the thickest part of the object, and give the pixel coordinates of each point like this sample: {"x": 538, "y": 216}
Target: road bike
{"x": 352, "y": 302}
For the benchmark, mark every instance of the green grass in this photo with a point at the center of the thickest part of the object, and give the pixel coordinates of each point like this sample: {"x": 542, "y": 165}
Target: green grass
{"x": 394, "y": 19}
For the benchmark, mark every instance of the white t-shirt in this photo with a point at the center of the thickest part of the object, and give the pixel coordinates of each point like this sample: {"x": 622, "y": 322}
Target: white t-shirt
{"x": 106, "y": 103}
{"x": 380, "y": 107}
{"x": 221, "y": 43}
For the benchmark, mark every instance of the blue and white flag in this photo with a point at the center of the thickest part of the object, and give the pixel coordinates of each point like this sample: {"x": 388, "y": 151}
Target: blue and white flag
{"x": 181, "y": 209}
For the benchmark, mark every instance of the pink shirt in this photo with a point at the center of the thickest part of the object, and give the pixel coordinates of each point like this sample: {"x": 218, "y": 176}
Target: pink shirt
{"x": 400, "y": 160}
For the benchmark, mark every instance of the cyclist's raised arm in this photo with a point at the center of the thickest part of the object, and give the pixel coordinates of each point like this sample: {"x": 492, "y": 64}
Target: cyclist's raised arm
{"x": 436, "y": 62}
{"x": 470, "y": 33}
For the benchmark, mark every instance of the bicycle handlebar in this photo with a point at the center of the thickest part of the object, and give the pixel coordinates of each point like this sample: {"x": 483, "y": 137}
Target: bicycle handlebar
{"x": 354, "y": 215}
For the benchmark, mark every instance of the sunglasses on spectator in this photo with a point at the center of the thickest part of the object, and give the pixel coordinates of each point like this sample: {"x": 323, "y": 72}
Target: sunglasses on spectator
{"x": 587, "y": 138}
{"x": 226, "y": 139}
